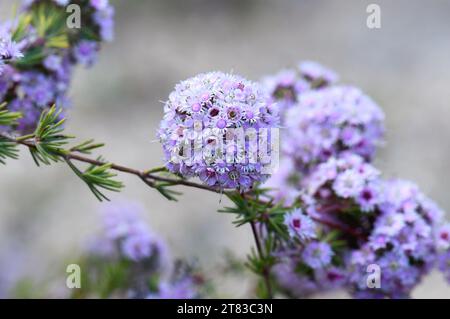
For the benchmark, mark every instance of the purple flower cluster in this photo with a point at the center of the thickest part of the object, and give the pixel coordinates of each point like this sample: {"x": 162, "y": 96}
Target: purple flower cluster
{"x": 203, "y": 120}
{"x": 348, "y": 177}
{"x": 361, "y": 221}
{"x": 31, "y": 87}
{"x": 395, "y": 227}
{"x": 125, "y": 236}
{"x": 401, "y": 242}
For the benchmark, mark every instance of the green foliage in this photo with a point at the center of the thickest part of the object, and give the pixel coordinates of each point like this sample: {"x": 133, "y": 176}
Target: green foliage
{"x": 50, "y": 24}
{"x": 27, "y": 288}
{"x": 104, "y": 279}
{"x": 266, "y": 220}
{"x": 164, "y": 190}
{"x": 97, "y": 177}
{"x": 163, "y": 187}
{"x": 86, "y": 147}
{"x": 31, "y": 57}
{"x": 49, "y": 138}
{"x": 8, "y": 118}
{"x": 8, "y": 149}
{"x": 22, "y": 27}
{"x": 48, "y": 145}
{"x": 252, "y": 208}
{"x": 49, "y": 21}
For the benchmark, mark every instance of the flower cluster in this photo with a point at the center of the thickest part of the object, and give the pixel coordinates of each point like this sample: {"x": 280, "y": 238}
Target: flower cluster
{"x": 347, "y": 178}
{"x": 351, "y": 218}
{"x": 401, "y": 242}
{"x": 50, "y": 51}
{"x": 127, "y": 242}
{"x": 394, "y": 226}
{"x": 212, "y": 123}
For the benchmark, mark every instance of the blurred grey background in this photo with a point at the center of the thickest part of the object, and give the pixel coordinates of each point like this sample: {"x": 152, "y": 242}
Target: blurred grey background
{"x": 46, "y": 214}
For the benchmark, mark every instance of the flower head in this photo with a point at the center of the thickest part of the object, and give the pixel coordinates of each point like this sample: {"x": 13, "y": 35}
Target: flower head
{"x": 300, "y": 225}
{"x": 86, "y": 53}
{"x": 317, "y": 254}
{"x": 443, "y": 237}
{"x": 212, "y": 124}
{"x": 444, "y": 264}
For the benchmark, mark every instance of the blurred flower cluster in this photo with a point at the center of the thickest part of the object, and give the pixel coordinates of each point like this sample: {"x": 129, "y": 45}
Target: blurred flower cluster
{"x": 128, "y": 260}
{"x": 346, "y": 218}
{"x": 48, "y": 50}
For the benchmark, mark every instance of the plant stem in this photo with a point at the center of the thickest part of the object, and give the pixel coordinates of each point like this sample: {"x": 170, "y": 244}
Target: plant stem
{"x": 266, "y": 271}
{"x": 149, "y": 178}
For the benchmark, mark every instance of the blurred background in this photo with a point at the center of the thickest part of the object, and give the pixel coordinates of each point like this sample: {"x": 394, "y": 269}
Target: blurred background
{"x": 46, "y": 214}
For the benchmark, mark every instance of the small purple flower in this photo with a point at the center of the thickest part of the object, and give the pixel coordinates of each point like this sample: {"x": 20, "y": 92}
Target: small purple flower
{"x": 183, "y": 289}
{"x": 53, "y": 62}
{"x": 138, "y": 246}
{"x": 86, "y": 53}
{"x": 292, "y": 281}
{"x": 369, "y": 197}
{"x": 300, "y": 225}
{"x": 99, "y": 4}
{"x": 9, "y": 50}
{"x": 104, "y": 18}
{"x": 122, "y": 219}
{"x": 443, "y": 237}
{"x": 390, "y": 224}
{"x": 331, "y": 278}
{"x": 393, "y": 263}
{"x": 444, "y": 264}
{"x": 348, "y": 184}
{"x": 317, "y": 254}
